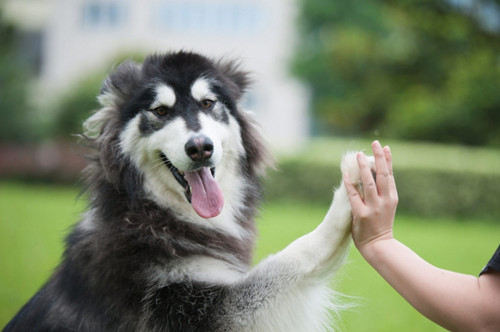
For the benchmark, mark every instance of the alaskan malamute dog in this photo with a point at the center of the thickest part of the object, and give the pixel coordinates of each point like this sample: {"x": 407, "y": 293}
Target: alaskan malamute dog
{"x": 167, "y": 241}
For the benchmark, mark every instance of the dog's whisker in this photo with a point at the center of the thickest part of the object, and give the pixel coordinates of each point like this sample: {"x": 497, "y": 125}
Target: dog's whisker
{"x": 157, "y": 164}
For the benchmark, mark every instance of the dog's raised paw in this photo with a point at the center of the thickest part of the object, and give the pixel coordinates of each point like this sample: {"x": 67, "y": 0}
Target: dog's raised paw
{"x": 349, "y": 164}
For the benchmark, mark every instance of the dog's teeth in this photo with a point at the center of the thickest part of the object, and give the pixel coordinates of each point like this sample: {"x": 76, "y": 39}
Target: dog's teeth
{"x": 187, "y": 193}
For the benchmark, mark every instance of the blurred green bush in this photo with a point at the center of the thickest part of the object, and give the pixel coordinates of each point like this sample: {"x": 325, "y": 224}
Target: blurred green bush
{"x": 75, "y": 105}
{"x": 16, "y": 115}
{"x": 426, "y": 186}
{"x": 421, "y": 192}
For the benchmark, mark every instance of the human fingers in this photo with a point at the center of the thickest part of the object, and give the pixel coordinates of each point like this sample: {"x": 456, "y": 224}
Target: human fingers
{"x": 382, "y": 169}
{"x": 378, "y": 153}
{"x": 369, "y": 186}
{"x": 388, "y": 158}
{"x": 391, "y": 180}
{"x": 354, "y": 196}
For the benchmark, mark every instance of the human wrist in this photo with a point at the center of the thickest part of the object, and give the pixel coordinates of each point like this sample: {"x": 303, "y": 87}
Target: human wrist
{"x": 373, "y": 248}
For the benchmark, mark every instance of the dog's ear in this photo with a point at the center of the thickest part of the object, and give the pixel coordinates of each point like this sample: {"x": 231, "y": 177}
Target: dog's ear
{"x": 258, "y": 156}
{"x": 101, "y": 130}
{"x": 119, "y": 85}
{"x": 237, "y": 80}
{"x": 116, "y": 90}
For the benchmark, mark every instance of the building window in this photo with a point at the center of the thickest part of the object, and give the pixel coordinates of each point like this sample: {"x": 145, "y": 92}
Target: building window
{"x": 205, "y": 18}
{"x": 103, "y": 14}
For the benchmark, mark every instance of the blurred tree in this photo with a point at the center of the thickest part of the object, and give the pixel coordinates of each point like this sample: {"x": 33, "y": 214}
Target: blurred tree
{"x": 413, "y": 69}
{"x": 77, "y": 104}
{"x": 15, "y": 119}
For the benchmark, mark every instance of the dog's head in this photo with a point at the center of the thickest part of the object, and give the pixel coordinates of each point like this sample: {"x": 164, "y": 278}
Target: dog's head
{"x": 176, "y": 120}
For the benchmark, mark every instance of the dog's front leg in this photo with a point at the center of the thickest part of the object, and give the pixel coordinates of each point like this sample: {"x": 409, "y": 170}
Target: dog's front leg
{"x": 289, "y": 291}
{"x": 324, "y": 249}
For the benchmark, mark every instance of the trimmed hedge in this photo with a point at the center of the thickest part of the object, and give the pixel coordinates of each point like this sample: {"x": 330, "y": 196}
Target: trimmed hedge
{"x": 423, "y": 191}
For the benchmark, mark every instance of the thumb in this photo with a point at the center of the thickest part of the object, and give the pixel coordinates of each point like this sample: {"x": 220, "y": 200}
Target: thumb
{"x": 352, "y": 193}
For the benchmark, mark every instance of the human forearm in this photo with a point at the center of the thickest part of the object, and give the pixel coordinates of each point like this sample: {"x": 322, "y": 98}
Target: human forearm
{"x": 452, "y": 300}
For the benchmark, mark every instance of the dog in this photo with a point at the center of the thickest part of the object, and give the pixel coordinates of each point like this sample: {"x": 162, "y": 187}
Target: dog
{"x": 174, "y": 185}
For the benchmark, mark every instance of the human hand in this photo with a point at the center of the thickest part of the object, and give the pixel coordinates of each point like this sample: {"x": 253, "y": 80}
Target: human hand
{"x": 373, "y": 211}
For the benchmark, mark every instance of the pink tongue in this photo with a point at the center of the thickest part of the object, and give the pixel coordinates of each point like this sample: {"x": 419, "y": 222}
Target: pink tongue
{"x": 207, "y": 199}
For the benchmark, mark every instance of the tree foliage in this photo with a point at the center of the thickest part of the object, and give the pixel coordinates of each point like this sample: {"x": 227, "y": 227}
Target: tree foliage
{"x": 413, "y": 69}
{"x": 15, "y": 118}
{"x": 76, "y": 104}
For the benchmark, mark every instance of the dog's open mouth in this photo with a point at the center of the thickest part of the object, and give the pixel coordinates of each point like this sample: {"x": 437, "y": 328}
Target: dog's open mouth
{"x": 200, "y": 188}
{"x": 178, "y": 176}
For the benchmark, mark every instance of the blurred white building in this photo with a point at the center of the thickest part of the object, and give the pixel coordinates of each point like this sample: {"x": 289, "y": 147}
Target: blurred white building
{"x": 81, "y": 36}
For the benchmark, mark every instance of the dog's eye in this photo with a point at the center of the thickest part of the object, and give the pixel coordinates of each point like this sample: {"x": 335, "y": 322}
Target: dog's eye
{"x": 207, "y": 103}
{"x": 160, "y": 110}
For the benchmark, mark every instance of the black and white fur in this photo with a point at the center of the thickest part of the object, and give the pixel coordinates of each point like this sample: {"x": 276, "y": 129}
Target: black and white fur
{"x": 152, "y": 253}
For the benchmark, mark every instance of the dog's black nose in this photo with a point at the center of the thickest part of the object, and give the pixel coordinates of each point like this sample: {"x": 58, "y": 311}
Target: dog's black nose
{"x": 199, "y": 148}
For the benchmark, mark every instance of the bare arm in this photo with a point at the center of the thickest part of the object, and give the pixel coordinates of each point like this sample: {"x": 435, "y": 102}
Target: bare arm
{"x": 455, "y": 301}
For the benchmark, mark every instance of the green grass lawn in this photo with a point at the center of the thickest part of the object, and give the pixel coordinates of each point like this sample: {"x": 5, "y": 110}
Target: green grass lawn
{"x": 35, "y": 218}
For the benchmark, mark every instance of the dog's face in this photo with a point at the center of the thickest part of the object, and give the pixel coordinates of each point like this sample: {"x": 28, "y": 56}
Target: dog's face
{"x": 179, "y": 126}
